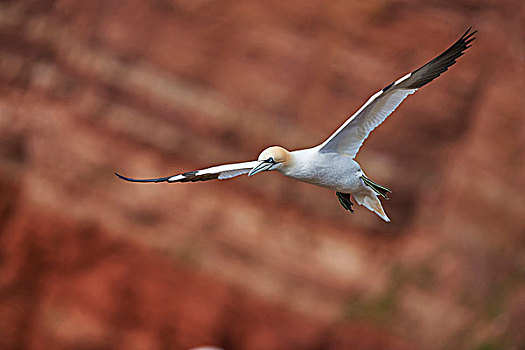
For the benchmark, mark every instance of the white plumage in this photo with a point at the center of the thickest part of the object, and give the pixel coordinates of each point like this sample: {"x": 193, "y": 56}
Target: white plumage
{"x": 331, "y": 164}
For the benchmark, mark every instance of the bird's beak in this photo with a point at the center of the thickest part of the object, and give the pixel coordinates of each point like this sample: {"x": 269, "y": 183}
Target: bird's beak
{"x": 262, "y": 166}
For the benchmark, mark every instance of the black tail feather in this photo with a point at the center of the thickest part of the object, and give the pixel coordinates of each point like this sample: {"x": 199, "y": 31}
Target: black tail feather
{"x": 380, "y": 190}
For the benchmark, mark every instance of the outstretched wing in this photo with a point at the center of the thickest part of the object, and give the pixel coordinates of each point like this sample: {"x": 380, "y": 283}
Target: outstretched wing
{"x": 350, "y": 136}
{"x": 220, "y": 172}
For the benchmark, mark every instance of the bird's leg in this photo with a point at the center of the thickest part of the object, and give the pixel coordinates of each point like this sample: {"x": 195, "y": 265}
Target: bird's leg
{"x": 344, "y": 199}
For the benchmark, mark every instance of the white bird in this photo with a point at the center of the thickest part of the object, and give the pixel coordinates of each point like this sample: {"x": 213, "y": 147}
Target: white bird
{"x": 331, "y": 164}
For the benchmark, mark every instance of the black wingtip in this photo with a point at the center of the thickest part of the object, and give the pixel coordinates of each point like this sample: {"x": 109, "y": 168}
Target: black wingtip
{"x": 120, "y": 176}
{"x": 468, "y": 33}
{"x": 468, "y": 36}
{"x": 126, "y": 178}
{"x": 441, "y": 63}
{"x": 160, "y": 179}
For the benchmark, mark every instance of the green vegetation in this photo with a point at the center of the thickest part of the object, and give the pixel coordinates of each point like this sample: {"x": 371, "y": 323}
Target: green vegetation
{"x": 490, "y": 344}
{"x": 380, "y": 308}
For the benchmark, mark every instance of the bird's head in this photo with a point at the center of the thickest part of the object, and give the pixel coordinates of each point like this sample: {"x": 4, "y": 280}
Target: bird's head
{"x": 272, "y": 158}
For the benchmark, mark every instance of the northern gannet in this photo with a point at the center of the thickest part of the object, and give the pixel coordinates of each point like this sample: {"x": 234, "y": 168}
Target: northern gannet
{"x": 331, "y": 164}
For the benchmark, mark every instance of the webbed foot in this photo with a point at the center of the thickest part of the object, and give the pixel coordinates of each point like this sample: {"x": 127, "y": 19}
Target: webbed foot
{"x": 344, "y": 199}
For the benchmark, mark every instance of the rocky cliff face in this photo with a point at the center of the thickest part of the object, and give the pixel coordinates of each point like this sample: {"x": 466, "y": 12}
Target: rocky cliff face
{"x": 152, "y": 88}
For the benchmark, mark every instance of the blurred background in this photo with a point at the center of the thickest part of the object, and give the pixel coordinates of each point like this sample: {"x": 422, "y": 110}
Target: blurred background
{"x": 154, "y": 87}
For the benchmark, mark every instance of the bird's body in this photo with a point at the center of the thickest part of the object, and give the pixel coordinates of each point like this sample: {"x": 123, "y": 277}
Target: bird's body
{"x": 331, "y": 164}
{"x": 339, "y": 173}
{"x": 330, "y": 170}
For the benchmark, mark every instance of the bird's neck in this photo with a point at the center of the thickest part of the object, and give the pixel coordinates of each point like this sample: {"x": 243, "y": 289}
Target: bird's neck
{"x": 296, "y": 162}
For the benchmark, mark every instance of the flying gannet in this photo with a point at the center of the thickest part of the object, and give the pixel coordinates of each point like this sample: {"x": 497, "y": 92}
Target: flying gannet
{"x": 331, "y": 164}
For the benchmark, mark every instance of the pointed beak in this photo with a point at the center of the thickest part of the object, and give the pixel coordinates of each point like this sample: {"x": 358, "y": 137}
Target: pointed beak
{"x": 262, "y": 166}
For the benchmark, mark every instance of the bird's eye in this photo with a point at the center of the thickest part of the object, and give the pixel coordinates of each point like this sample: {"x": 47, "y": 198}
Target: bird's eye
{"x": 270, "y": 160}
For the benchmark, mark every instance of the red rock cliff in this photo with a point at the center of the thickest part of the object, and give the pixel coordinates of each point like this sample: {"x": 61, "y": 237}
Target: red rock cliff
{"x": 156, "y": 87}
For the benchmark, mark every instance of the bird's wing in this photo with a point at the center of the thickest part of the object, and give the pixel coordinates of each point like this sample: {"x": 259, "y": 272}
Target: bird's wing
{"x": 350, "y": 136}
{"x": 220, "y": 172}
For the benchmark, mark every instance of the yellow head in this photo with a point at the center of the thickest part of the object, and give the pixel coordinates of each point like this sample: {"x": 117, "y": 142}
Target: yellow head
{"x": 272, "y": 158}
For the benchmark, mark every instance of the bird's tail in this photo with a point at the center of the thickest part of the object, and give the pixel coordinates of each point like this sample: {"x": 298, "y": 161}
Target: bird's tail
{"x": 377, "y": 188}
{"x": 370, "y": 201}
